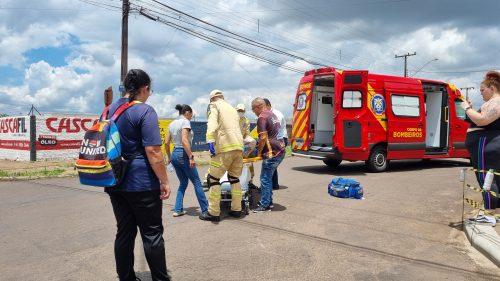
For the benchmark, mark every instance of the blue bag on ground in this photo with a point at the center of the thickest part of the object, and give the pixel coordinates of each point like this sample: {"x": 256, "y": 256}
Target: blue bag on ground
{"x": 345, "y": 188}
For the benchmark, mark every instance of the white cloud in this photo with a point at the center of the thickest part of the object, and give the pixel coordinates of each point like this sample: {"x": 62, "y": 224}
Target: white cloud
{"x": 13, "y": 45}
{"x": 170, "y": 60}
{"x": 433, "y": 42}
{"x": 185, "y": 69}
{"x": 245, "y": 63}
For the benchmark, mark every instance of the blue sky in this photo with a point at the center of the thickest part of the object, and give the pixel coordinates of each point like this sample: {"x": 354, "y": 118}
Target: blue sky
{"x": 61, "y": 55}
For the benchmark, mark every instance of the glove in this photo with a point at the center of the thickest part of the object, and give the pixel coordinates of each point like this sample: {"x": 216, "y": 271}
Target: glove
{"x": 211, "y": 148}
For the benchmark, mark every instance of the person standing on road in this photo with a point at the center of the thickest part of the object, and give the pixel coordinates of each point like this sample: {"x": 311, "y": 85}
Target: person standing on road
{"x": 137, "y": 201}
{"x": 182, "y": 158}
{"x": 249, "y": 143}
{"x": 271, "y": 149}
{"x": 282, "y": 135}
{"x": 225, "y": 143}
{"x": 483, "y": 137}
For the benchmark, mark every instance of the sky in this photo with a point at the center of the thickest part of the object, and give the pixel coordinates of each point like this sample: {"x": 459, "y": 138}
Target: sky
{"x": 60, "y": 55}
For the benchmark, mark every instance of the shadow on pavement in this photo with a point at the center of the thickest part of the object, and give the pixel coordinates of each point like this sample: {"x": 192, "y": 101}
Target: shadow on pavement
{"x": 146, "y": 275}
{"x": 458, "y": 225}
{"x": 358, "y": 168}
{"x": 281, "y": 188}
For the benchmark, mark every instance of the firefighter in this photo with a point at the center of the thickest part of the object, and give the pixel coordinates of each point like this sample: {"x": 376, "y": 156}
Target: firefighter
{"x": 225, "y": 143}
{"x": 249, "y": 143}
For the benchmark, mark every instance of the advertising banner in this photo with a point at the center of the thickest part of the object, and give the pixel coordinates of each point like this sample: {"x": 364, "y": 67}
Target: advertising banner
{"x": 59, "y": 136}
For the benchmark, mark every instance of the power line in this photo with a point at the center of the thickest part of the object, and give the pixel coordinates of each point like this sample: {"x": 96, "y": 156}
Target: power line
{"x": 251, "y": 75}
{"x": 102, "y": 5}
{"x": 311, "y": 7}
{"x": 239, "y": 21}
{"x": 306, "y": 9}
{"x": 218, "y": 42}
{"x": 245, "y": 39}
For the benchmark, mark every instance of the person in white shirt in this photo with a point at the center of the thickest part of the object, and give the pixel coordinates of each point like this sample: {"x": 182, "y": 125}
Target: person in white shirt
{"x": 182, "y": 158}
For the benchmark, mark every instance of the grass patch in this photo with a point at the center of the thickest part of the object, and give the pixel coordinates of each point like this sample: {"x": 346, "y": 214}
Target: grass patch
{"x": 35, "y": 173}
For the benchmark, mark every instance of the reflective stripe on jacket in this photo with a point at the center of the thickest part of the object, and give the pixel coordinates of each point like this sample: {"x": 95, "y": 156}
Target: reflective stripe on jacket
{"x": 223, "y": 127}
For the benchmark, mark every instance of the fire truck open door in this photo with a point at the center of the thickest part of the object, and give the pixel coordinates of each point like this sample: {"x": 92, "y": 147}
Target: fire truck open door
{"x": 405, "y": 121}
{"x": 353, "y": 107}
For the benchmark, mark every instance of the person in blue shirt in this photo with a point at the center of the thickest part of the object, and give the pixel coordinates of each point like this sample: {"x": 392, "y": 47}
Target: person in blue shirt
{"x": 182, "y": 158}
{"x": 137, "y": 201}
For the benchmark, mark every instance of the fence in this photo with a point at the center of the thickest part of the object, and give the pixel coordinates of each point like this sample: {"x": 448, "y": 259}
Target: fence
{"x": 54, "y": 137}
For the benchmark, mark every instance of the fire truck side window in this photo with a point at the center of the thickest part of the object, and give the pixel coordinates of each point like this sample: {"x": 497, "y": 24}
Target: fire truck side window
{"x": 460, "y": 112}
{"x": 408, "y": 106}
{"x": 301, "y": 101}
{"x": 351, "y": 99}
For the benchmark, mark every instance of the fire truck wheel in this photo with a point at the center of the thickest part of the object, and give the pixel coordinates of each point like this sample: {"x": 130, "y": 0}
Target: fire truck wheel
{"x": 377, "y": 162}
{"x": 332, "y": 162}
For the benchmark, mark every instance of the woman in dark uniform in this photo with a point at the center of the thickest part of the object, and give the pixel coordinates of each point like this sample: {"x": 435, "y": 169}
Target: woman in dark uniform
{"x": 483, "y": 136}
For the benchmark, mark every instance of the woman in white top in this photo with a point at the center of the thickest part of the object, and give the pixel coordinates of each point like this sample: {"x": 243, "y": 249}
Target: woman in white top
{"x": 182, "y": 158}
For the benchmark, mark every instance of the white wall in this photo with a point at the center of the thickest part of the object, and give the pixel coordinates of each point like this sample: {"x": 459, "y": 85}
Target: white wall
{"x": 57, "y": 136}
{"x": 15, "y": 138}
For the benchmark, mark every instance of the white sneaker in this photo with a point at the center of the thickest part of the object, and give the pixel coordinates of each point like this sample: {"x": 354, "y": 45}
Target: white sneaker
{"x": 484, "y": 220}
{"x": 181, "y": 213}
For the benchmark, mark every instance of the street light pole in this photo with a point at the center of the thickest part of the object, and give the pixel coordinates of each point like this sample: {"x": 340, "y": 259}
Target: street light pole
{"x": 425, "y": 64}
{"x": 467, "y": 92}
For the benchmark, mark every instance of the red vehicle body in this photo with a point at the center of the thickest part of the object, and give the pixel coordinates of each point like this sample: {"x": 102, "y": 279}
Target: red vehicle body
{"x": 356, "y": 115}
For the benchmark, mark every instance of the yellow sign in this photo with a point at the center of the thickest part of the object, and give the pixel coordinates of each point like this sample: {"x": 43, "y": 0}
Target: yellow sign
{"x": 254, "y": 134}
{"x": 164, "y": 123}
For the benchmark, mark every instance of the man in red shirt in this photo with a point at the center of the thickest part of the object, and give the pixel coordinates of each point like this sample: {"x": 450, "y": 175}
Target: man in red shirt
{"x": 271, "y": 149}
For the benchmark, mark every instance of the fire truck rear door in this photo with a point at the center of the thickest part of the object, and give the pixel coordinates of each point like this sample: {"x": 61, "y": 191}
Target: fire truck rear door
{"x": 352, "y": 107}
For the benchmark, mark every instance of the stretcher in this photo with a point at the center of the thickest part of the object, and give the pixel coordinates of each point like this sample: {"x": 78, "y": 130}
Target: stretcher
{"x": 247, "y": 197}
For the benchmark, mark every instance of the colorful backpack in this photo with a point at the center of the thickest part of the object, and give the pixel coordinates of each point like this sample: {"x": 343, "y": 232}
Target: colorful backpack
{"x": 100, "y": 162}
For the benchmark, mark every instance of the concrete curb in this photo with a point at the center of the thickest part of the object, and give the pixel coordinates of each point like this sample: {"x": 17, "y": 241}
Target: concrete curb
{"x": 485, "y": 239}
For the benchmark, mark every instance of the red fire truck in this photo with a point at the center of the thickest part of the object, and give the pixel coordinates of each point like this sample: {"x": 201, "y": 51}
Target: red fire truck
{"x": 356, "y": 115}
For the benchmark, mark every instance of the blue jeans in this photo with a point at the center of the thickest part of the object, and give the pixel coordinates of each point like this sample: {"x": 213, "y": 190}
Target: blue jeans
{"x": 180, "y": 161}
{"x": 275, "y": 175}
{"x": 269, "y": 166}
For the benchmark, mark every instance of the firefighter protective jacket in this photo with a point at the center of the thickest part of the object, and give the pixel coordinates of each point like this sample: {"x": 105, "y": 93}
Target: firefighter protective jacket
{"x": 223, "y": 127}
{"x": 245, "y": 126}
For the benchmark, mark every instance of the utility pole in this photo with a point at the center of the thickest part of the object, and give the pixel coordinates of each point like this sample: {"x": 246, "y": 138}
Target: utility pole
{"x": 124, "y": 67}
{"x": 406, "y": 60}
{"x": 33, "y": 132}
{"x": 467, "y": 91}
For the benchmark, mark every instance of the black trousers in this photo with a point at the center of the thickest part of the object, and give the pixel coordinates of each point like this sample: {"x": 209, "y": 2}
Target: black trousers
{"x": 143, "y": 210}
{"x": 484, "y": 150}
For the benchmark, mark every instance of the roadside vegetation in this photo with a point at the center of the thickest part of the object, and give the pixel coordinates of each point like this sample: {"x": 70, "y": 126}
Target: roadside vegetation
{"x": 33, "y": 173}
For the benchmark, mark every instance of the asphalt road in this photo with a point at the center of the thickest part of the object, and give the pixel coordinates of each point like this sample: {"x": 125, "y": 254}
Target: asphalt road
{"x": 405, "y": 229}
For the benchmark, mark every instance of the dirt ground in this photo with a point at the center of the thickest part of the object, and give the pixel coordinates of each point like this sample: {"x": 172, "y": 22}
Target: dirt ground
{"x": 10, "y": 166}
